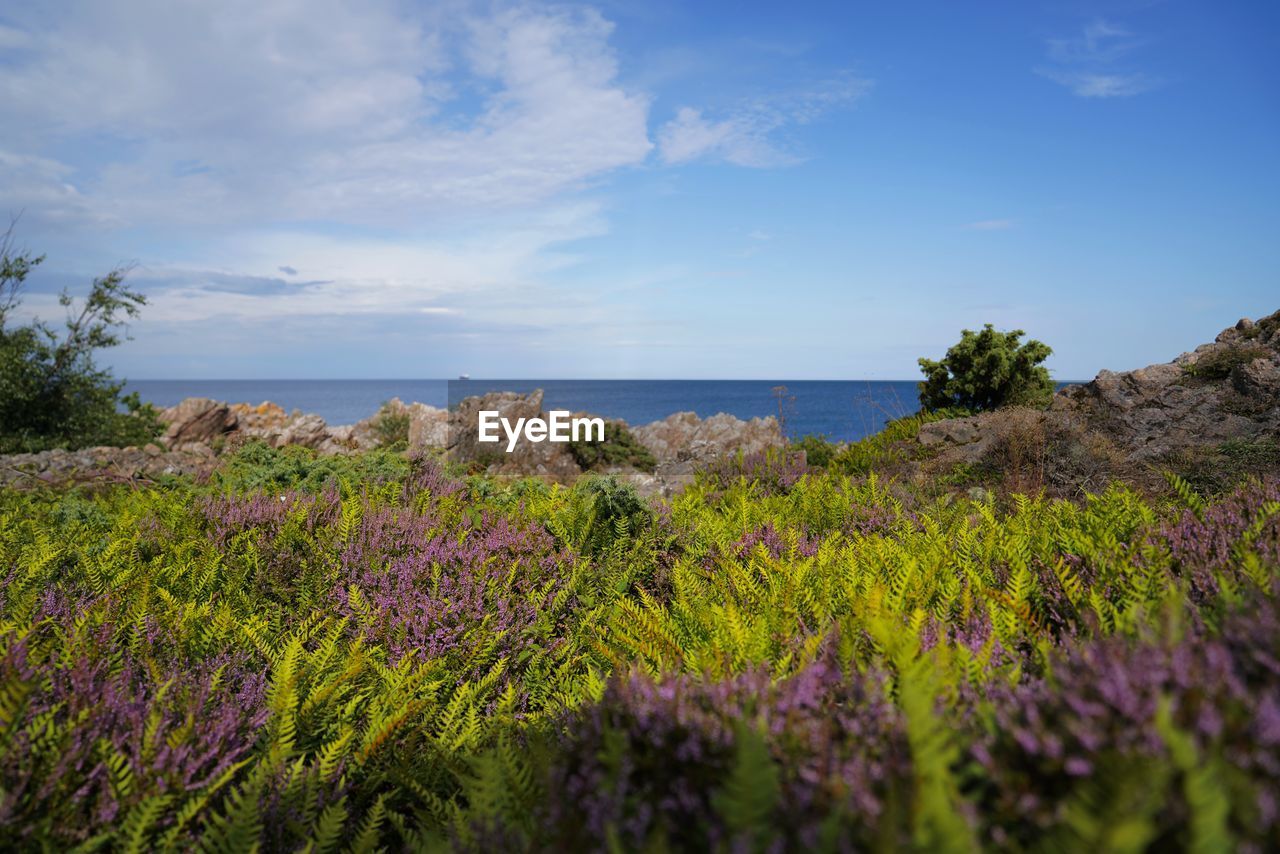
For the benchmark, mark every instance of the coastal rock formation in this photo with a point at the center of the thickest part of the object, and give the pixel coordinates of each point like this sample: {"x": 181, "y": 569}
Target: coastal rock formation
{"x": 545, "y": 459}
{"x": 104, "y": 464}
{"x": 428, "y": 427}
{"x": 309, "y": 431}
{"x": 684, "y": 437}
{"x": 1120, "y": 422}
{"x": 1225, "y": 390}
{"x": 197, "y": 420}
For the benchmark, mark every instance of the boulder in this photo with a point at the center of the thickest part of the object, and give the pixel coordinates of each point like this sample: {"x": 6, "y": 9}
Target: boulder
{"x": 197, "y": 419}
{"x": 686, "y": 438}
{"x": 545, "y": 459}
{"x": 428, "y": 427}
{"x": 309, "y": 431}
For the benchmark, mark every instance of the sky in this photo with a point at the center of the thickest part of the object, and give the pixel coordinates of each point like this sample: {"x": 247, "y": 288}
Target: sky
{"x": 381, "y": 189}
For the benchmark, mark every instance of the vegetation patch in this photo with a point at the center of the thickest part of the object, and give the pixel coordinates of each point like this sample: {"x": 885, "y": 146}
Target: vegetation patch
{"x": 391, "y": 426}
{"x": 1219, "y": 364}
{"x": 986, "y": 370}
{"x": 619, "y": 448}
{"x": 1216, "y": 470}
{"x": 305, "y": 649}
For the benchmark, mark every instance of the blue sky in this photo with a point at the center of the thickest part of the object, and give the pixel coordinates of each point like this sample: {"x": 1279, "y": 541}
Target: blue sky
{"x": 398, "y": 189}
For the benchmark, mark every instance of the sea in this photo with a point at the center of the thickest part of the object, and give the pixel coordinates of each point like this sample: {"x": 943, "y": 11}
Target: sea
{"x": 840, "y": 410}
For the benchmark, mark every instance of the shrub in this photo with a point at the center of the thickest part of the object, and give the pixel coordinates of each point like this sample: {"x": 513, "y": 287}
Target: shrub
{"x": 1218, "y": 364}
{"x": 818, "y": 452}
{"x": 1214, "y": 470}
{"x": 987, "y": 370}
{"x": 611, "y": 510}
{"x": 52, "y": 395}
{"x": 619, "y": 448}
{"x": 391, "y": 426}
{"x": 257, "y": 466}
{"x": 774, "y": 471}
{"x": 891, "y": 446}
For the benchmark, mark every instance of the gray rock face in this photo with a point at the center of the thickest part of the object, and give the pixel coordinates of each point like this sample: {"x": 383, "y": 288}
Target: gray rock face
{"x": 546, "y": 459}
{"x": 686, "y": 438}
{"x": 197, "y": 419}
{"x": 309, "y": 431}
{"x": 1229, "y": 389}
{"x": 101, "y": 464}
{"x": 953, "y": 431}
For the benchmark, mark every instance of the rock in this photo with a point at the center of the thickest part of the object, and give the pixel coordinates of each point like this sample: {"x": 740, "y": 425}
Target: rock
{"x": 197, "y": 419}
{"x": 309, "y": 431}
{"x": 263, "y": 419}
{"x": 105, "y": 465}
{"x": 953, "y": 431}
{"x": 428, "y": 427}
{"x": 685, "y": 438}
{"x": 1258, "y": 379}
{"x": 1228, "y": 389}
{"x": 544, "y": 459}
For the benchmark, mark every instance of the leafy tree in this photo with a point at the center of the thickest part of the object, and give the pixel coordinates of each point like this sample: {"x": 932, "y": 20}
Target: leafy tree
{"x": 52, "y": 395}
{"x": 987, "y": 370}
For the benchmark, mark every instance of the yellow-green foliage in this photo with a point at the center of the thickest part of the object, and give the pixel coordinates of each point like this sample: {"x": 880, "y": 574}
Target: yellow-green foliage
{"x": 397, "y": 662}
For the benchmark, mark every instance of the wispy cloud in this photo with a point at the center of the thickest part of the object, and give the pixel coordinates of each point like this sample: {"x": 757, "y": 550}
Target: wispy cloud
{"x": 1091, "y": 64}
{"x": 355, "y": 113}
{"x": 298, "y": 163}
{"x": 747, "y": 134}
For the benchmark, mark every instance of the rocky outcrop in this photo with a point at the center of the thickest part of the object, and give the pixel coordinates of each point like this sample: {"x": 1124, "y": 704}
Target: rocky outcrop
{"x": 684, "y": 437}
{"x": 198, "y": 429}
{"x": 428, "y": 427}
{"x": 197, "y": 420}
{"x": 104, "y": 464}
{"x": 545, "y": 459}
{"x": 1120, "y": 422}
{"x": 1229, "y": 389}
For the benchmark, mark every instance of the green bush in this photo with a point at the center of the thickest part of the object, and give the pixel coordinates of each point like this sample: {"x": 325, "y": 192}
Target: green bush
{"x": 52, "y": 395}
{"x": 256, "y": 466}
{"x": 619, "y": 448}
{"x": 391, "y": 426}
{"x": 613, "y": 511}
{"x": 987, "y": 370}
{"x": 818, "y": 452}
{"x": 1219, "y": 364}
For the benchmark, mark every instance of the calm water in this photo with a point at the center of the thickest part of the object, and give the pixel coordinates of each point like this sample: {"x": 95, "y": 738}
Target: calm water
{"x": 842, "y": 410}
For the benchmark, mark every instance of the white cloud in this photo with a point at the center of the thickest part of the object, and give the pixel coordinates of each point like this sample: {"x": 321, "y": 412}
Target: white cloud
{"x": 335, "y": 110}
{"x": 1100, "y": 41}
{"x": 284, "y": 163}
{"x": 1086, "y": 64}
{"x": 741, "y": 140}
{"x": 1093, "y": 85}
{"x": 746, "y": 135}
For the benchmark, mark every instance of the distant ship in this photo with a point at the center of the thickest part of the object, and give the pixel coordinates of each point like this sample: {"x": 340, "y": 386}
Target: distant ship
{"x": 464, "y": 376}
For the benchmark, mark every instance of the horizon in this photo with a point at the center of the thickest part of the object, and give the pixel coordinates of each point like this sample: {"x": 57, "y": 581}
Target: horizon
{"x": 621, "y": 189}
